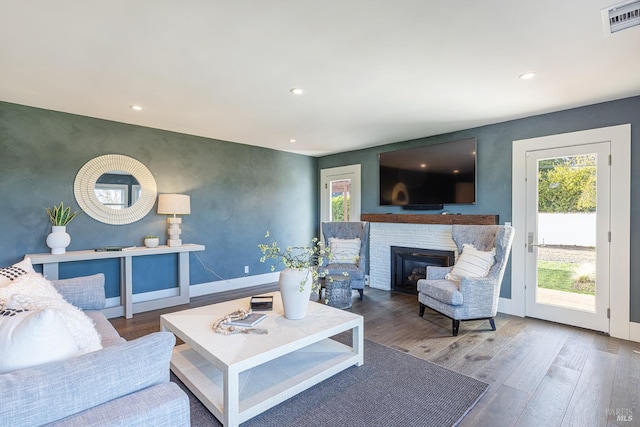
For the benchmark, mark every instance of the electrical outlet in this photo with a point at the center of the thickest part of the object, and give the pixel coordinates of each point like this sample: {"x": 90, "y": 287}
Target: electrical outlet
{"x": 508, "y": 223}
{"x": 246, "y": 269}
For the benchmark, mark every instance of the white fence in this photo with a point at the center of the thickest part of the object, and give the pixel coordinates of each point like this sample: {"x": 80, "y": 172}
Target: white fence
{"x": 567, "y": 229}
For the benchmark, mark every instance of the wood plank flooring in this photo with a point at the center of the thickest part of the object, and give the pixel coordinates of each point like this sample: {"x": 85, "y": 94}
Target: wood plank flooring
{"x": 540, "y": 373}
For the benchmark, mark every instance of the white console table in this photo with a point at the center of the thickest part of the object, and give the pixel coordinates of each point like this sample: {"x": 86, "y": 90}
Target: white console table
{"x": 128, "y": 307}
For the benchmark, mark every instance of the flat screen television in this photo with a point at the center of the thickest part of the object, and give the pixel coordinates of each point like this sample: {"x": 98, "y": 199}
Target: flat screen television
{"x": 429, "y": 177}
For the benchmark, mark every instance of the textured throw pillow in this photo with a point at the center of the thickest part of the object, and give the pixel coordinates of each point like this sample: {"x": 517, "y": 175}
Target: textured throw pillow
{"x": 9, "y": 274}
{"x": 32, "y": 284}
{"x": 30, "y": 338}
{"x": 472, "y": 263}
{"x": 344, "y": 251}
{"x": 85, "y": 292}
{"x": 33, "y": 292}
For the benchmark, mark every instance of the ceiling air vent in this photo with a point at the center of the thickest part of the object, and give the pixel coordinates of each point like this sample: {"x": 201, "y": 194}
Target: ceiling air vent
{"x": 621, "y": 16}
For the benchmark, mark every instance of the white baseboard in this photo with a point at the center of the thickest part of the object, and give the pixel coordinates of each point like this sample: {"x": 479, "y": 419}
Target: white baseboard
{"x": 114, "y": 308}
{"x": 113, "y": 311}
{"x": 145, "y": 296}
{"x": 201, "y": 289}
{"x": 232, "y": 284}
{"x": 112, "y": 302}
{"x": 506, "y": 306}
{"x": 634, "y": 331}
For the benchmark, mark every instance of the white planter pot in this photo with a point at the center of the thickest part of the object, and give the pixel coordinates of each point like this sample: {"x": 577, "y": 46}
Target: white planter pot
{"x": 295, "y": 301}
{"x": 58, "y": 239}
{"x": 152, "y": 243}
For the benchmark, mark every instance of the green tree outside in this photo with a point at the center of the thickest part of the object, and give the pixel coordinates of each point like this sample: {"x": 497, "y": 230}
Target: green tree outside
{"x": 567, "y": 184}
{"x": 338, "y": 208}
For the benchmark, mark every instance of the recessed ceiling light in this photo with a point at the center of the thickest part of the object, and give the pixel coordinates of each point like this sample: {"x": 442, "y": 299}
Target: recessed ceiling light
{"x": 527, "y": 76}
{"x": 423, "y": 165}
{"x": 292, "y": 140}
{"x": 296, "y": 91}
{"x": 135, "y": 107}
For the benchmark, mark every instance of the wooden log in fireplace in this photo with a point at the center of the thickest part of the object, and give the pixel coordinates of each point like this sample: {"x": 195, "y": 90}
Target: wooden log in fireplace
{"x": 432, "y": 219}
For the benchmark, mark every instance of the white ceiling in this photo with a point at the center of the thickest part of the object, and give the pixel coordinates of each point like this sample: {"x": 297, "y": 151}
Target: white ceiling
{"x": 373, "y": 71}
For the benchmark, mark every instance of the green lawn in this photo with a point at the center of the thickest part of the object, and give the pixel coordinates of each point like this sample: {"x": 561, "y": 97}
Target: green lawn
{"x": 559, "y": 276}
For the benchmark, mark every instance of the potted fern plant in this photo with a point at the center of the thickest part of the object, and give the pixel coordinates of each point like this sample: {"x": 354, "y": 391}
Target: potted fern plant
{"x": 59, "y": 239}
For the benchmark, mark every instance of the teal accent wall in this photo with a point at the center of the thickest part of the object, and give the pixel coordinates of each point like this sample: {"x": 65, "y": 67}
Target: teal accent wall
{"x": 494, "y": 167}
{"x": 237, "y": 193}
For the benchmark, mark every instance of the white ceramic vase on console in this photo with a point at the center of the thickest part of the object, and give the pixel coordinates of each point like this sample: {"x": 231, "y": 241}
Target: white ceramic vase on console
{"x": 58, "y": 239}
{"x": 294, "y": 300}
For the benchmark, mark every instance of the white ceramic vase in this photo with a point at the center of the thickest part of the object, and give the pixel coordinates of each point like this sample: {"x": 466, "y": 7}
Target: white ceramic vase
{"x": 295, "y": 301}
{"x": 58, "y": 239}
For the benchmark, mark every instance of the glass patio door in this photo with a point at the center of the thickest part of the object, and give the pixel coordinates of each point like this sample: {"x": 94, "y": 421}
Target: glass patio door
{"x": 567, "y": 235}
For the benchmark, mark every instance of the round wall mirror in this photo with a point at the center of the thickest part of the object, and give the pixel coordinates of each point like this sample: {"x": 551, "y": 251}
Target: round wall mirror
{"x": 115, "y": 189}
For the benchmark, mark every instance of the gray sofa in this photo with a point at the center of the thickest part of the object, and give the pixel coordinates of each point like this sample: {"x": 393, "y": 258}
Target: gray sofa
{"x": 124, "y": 384}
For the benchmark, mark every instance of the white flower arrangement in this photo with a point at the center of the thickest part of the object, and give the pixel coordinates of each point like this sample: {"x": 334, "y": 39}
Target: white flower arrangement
{"x": 300, "y": 258}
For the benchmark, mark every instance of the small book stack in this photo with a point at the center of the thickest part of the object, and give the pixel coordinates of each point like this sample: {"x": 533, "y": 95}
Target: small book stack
{"x": 262, "y": 303}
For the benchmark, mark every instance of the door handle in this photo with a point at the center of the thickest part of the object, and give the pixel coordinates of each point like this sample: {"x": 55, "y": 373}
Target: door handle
{"x": 531, "y": 245}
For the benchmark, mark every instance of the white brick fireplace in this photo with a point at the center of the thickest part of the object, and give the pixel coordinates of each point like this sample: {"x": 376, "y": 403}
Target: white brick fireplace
{"x": 422, "y": 231}
{"x": 383, "y": 235}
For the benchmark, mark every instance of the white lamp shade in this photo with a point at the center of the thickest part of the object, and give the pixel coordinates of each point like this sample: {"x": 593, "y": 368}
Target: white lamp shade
{"x": 171, "y": 204}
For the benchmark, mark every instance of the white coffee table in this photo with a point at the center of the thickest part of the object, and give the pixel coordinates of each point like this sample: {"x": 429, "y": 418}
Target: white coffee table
{"x": 239, "y": 376}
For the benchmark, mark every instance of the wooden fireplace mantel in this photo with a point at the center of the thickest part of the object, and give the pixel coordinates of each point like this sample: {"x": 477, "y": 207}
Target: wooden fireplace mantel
{"x": 432, "y": 219}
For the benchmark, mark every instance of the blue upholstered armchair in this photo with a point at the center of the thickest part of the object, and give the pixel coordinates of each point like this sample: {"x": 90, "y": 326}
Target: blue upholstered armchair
{"x": 470, "y": 298}
{"x": 337, "y": 266}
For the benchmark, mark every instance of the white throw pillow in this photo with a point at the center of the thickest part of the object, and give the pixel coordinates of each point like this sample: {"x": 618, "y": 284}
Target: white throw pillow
{"x": 9, "y": 274}
{"x": 33, "y": 292}
{"x": 31, "y": 338}
{"x": 32, "y": 284}
{"x": 472, "y": 263}
{"x": 344, "y": 251}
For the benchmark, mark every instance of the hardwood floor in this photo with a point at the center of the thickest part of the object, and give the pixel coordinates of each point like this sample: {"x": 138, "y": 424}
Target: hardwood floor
{"x": 540, "y": 373}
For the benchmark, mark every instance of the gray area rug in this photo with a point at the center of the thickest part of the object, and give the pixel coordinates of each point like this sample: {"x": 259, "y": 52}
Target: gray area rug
{"x": 391, "y": 389}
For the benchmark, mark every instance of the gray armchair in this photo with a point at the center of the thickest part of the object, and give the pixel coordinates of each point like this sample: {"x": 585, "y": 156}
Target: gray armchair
{"x": 348, "y": 230}
{"x": 473, "y": 298}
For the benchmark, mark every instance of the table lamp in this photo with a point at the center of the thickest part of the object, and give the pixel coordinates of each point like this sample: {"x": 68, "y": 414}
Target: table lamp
{"x": 174, "y": 204}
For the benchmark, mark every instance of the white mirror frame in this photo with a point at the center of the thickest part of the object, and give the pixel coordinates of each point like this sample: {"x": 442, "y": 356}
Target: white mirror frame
{"x": 88, "y": 175}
